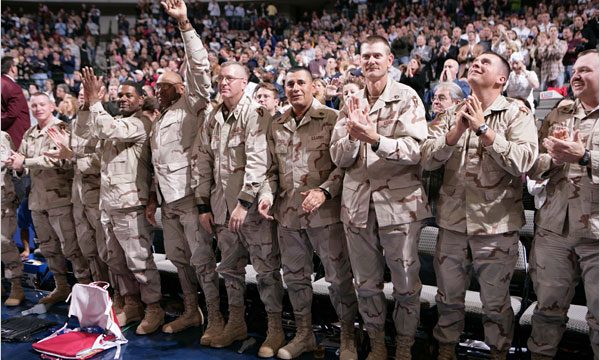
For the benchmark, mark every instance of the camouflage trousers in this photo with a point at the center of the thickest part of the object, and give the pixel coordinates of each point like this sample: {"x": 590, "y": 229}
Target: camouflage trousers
{"x": 13, "y": 267}
{"x": 370, "y": 249}
{"x": 254, "y": 240}
{"x": 130, "y": 258}
{"x": 492, "y": 258}
{"x": 90, "y": 238}
{"x": 189, "y": 247}
{"x": 297, "y": 247}
{"x": 56, "y": 235}
{"x": 557, "y": 263}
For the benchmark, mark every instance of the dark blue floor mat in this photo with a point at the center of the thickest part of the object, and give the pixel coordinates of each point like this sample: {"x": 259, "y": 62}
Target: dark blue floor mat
{"x": 185, "y": 345}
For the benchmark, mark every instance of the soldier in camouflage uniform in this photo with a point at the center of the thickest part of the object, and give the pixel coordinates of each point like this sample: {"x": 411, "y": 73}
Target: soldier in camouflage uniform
{"x": 307, "y": 187}
{"x": 86, "y": 199}
{"x": 231, "y": 163}
{"x": 183, "y": 108}
{"x": 124, "y": 190}
{"x": 13, "y": 267}
{"x": 565, "y": 246}
{"x": 50, "y": 199}
{"x": 383, "y": 201}
{"x": 485, "y": 144}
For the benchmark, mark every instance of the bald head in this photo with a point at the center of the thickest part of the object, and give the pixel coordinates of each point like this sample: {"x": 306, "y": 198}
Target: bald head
{"x": 170, "y": 77}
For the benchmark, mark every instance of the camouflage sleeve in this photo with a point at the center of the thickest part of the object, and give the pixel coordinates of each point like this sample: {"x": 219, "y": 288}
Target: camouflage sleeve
{"x": 270, "y": 186}
{"x": 404, "y": 147}
{"x": 434, "y": 151}
{"x": 595, "y": 154}
{"x": 197, "y": 71}
{"x": 257, "y": 154}
{"x": 516, "y": 150}
{"x": 44, "y": 162}
{"x": 82, "y": 125}
{"x": 333, "y": 184}
{"x": 344, "y": 151}
{"x": 202, "y": 165}
{"x": 106, "y": 127}
{"x": 544, "y": 167}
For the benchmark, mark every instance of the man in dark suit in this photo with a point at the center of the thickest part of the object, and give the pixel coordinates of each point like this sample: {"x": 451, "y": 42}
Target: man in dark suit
{"x": 15, "y": 111}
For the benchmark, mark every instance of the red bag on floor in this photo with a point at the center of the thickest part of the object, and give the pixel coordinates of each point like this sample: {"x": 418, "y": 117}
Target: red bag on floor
{"x": 98, "y": 330}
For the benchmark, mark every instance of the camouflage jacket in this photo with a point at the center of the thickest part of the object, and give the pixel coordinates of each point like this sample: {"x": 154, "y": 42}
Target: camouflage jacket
{"x": 572, "y": 190}
{"x": 9, "y": 197}
{"x": 231, "y": 158}
{"x": 86, "y": 182}
{"x": 51, "y": 180}
{"x": 173, "y": 133}
{"x": 389, "y": 176}
{"x": 481, "y": 193}
{"x": 125, "y": 156}
{"x": 301, "y": 161}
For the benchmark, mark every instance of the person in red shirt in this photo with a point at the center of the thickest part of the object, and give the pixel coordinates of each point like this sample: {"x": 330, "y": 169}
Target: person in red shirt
{"x": 15, "y": 111}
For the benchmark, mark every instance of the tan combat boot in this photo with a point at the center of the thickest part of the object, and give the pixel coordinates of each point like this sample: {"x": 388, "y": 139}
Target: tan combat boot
{"x": 447, "y": 352}
{"x": 304, "y": 341}
{"x": 498, "y": 354}
{"x": 215, "y": 324}
{"x": 540, "y": 357}
{"x": 118, "y": 302}
{"x": 347, "y": 343}
{"x": 234, "y": 330}
{"x": 378, "y": 349}
{"x": 132, "y": 311}
{"x": 192, "y": 316}
{"x": 403, "y": 347}
{"x": 154, "y": 318}
{"x": 60, "y": 293}
{"x": 275, "y": 337}
{"x": 17, "y": 295}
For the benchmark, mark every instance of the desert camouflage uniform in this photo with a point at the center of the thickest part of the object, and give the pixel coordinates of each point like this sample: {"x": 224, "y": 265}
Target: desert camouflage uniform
{"x": 565, "y": 247}
{"x": 86, "y": 199}
{"x": 50, "y": 202}
{"x": 301, "y": 161}
{"x": 479, "y": 213}
{"x": 171, "y": 140}
{"x": 383, "y": 205}
{"x": 13, "y": 267}
{"x": 124, "y": 187}
{"x": 231, "y": 162}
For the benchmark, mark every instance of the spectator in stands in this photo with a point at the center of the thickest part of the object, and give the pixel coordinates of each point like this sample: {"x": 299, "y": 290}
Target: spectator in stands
{"x": 62, "y": 90}
{"x": 267, "y": 95}
{"x": 318, "y": 64}
{"x": 351, "y": 86}
{"x": 467, "y": 53}
{"x": 588, "y": 29}
{"x": 447, "y": 94}
{"x": 521, "y": 82}
{"x": 565, "y": 247}
{"x": 445, "y": 52}
{"x": 551, "y": 52}
{"x": 421, "y": 49}
{"x": 15, "y": 111}
{"x": 413, "y": 75}
{"x": 482, "y": 237}
{"x": 574, "y": 46}
{"x": 67, "y": 109}
{"x": 450, "y": 74}
{"x": 39, "y": 68}
{"x": 319, "y": 90}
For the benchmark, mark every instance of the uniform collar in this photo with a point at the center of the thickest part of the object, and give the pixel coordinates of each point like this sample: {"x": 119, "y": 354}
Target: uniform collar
{"x": 499, "y": 104}
{"x": 315, "y": 112}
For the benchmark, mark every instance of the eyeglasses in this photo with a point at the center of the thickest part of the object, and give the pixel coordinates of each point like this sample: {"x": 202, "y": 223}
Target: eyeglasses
{"x": 227, "y": 79}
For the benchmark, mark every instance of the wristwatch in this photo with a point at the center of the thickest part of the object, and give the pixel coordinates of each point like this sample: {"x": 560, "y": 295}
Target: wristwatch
{"x": 482, "y": 130}
{"x": 585, "y": 159}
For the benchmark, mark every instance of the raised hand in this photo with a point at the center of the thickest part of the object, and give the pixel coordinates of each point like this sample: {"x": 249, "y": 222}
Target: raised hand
{"x": 175, "y": 8}
{"x": 61, "y": 140}
{"x": 92, "y": 86}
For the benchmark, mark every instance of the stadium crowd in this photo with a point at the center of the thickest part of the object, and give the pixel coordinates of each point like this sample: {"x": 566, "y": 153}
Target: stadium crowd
{"x": 284, "y": 137}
